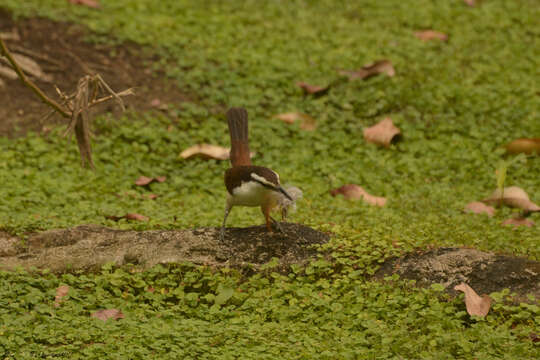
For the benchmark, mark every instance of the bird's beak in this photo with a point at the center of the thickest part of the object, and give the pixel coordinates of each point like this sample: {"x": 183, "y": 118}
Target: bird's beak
{"x": 282, "y": 190}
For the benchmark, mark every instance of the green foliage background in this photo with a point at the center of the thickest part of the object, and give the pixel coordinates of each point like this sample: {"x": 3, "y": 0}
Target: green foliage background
{"x": 456, "y": 104}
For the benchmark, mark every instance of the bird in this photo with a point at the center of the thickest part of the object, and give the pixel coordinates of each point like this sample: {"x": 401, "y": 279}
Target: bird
{"x": 248, "y": 184}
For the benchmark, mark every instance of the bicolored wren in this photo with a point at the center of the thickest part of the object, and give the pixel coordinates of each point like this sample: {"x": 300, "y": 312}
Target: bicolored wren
{"x": 247, "y": 184}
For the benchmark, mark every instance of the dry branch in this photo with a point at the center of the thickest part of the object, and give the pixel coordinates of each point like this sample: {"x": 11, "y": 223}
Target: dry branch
{"x": 91, "y": 90}
{"x": 30, "y": 84}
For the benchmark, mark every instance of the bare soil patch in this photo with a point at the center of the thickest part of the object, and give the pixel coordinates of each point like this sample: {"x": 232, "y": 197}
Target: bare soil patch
{"x": 89, "y": 247}
{"x": 485, "y": 272}
{"x": 63, "y": 55}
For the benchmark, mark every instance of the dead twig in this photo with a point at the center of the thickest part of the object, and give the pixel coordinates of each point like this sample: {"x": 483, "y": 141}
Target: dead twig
{"x": 91, "y": 90}
{"x": 30, "y": 84}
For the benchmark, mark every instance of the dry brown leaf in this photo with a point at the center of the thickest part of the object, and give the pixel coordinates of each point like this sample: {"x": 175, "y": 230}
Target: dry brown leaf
{"x": 514, "y": 197}
{"x": 61, "y": 292}
{"x": 30, "y": 67}
{"x": 106, "y": 314}
{"x": 353, "y": 191}
{"x": 156, "y": 103}
{"x": 90, "y": 3}
{"x": 524, "y": 145}
{"x": 114, "y": 217}
{"x": 478, "y": 207}
{"x": 206, "y": 151}
{"x": 145, "y": 180}
{"x": 306, "y": 122}
{"x": 382, "y": 133}
{"x": 8, "y": 72}
{"x": 519, "y": 222}
{"x": 476, "y": 305}
{"x": 13, "y": 35}
{"x": 134, "y": 216}
{"x": 427, "y": 35}
{"x": 130, "y": 216}
{"x": 369, "y": 70}
{"x": 313, "y": 89}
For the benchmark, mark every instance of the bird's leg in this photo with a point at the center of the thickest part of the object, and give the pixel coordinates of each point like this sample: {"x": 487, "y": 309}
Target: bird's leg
{"x": 266, "y": 213}
{"x": 222, "y": 232}
{"x": 269, "y": 220}
{"x": 277, "y": 225}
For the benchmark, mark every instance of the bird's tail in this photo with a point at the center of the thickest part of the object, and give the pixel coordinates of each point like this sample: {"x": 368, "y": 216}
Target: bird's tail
{"x": 237, "y": 119}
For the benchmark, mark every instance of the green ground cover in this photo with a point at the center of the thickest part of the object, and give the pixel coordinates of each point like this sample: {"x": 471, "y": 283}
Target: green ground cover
{"x": 455, "y": 102}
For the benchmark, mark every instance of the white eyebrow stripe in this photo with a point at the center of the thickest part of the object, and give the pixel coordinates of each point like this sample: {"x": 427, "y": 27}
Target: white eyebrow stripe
{"x": 262, "y": 180}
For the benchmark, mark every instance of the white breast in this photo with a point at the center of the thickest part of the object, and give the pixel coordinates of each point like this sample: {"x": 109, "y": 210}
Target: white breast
{"x": 249, "y": 193}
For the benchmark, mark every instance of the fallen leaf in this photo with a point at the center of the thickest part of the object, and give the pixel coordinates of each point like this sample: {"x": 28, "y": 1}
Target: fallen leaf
{"x": 206, "y": 151}
{"x": 369, "y": 70}
{"x": 352, "y": 191}
{"x": 13, "y": 35}
{"x": 130, "y": 216}
{"x": 30, "y": 67}
{"x": 476, "y": 305}
{"x": 8, "y": 72}
{"x": 382, "y": 133}
{"x": 514, "y": 197}
{"x": 478, "y": 207}
{"x": 427, "y": 35}
{"x": 156, "y": 103}
{"x": 306, "y": 122}
{"x": 152, "y": 196}
{"x": 90, "y": 3}
{"x": 106, "y": 314}
{"x": 519, "y": 221}
{"x": 113, "y": 217}
{"x": 470, "y": 2}
{"x": 524, "y": 145}
{"x": 145, "y": 180}
{"x": 313, "y": 89}
{"x": 138, "y": 217}
{"x": 534, "y": 337}
{"x": 61, "y": 292}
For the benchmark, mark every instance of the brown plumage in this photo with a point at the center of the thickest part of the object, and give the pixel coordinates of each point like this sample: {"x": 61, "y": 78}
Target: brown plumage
{"x": 235, "y": 176}
{"x": 248, "y": 185}
{"x": 237, "y": 118}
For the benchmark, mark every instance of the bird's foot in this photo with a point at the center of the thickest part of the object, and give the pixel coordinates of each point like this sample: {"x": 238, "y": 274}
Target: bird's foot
{"x": 278, "y": 226}
{"x": 222, "y": 234}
